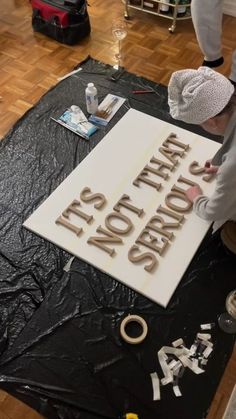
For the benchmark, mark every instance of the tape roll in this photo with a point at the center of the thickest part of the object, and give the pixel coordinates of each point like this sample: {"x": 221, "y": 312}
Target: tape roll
{"x": 131, "y": 416}
{"x": 137, "y": 319}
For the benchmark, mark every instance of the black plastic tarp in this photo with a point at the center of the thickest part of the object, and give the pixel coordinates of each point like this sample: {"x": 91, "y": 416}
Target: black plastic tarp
{"x": 61, "y": 349}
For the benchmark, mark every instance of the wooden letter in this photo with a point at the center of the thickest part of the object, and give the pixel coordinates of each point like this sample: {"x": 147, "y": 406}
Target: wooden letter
{"x": 107, "y": 238}
{"x": 73, "y": 207}
{"x": 159, "y": 170}
{"x": 87, "y": 196}
{"x": 72, "y": 227}
{"x": 123, "y": 203}
{"x": 188, "y": 182}
{"x": 170, "y": 154}
{"x": 161, "y": 230}
{"x": 121, "y": 217}
{"x": 172, "y": 140}
{"x": 195, "y": 169}
{"x": 148, "y": 240}
{"x": 170, "y": 214}
{"x": 178, "y": 196}
{"x": 143, "y": 177}
{"x": 142, "y": 257}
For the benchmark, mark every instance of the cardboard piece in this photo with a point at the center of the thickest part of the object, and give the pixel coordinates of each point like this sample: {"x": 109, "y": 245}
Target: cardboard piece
{"x": 113, "y": 168}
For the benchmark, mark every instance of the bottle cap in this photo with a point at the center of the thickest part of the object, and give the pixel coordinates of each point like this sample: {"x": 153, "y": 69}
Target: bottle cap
{"x": 90, "y": 84}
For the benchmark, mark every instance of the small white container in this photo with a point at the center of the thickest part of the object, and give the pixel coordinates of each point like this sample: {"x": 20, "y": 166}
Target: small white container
{"x": 91, "y": 96}
{"x": 182, "y": 9}
{"x": 164, "y": 7}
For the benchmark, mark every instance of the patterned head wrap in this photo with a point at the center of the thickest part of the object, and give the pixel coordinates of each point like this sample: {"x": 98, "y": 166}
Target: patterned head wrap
{"x": 194, "y": 96}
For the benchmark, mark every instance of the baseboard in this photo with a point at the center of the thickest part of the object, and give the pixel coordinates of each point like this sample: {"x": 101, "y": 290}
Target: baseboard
{"x": 229, "y": 7}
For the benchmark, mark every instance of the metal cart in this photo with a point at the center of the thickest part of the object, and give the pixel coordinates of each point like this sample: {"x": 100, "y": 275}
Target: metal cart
{"x": 154, "y": 7}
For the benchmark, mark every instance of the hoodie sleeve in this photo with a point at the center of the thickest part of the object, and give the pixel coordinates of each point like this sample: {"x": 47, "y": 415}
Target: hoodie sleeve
{"x": 222, "y": 204}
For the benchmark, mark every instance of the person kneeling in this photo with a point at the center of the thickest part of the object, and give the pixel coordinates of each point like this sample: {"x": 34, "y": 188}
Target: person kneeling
{"x": 206, "y": 98}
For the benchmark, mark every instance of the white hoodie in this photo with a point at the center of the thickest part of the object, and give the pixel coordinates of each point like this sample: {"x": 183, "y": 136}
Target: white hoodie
{"x": 221, "y": 206}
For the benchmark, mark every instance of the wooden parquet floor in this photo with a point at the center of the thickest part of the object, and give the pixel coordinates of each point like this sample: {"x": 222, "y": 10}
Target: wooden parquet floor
{"x": 31, "y": 63}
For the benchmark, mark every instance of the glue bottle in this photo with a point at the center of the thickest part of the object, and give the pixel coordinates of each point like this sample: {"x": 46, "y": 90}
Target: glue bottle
{"x": 91, "y": 96}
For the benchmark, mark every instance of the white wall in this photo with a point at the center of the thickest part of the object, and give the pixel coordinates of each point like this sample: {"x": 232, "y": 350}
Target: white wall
{"x": 230, "y": 7}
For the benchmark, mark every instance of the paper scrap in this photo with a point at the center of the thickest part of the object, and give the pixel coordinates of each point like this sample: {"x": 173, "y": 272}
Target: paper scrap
{"x": 207, "y": 326}
{"x": 69, "y": 74}
{"x": 177, "y": 391}
{"x": 177, "y": 342}
{"x": 204, "y": 336}
{"x": 155, "y": 386}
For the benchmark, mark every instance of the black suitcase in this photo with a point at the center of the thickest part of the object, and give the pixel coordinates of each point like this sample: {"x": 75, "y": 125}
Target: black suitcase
{"x": 67, "y": 21}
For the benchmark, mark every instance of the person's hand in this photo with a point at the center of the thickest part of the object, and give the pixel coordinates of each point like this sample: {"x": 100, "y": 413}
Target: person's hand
{"x": 193, "y": 192}
{"x": 209, "y": 168}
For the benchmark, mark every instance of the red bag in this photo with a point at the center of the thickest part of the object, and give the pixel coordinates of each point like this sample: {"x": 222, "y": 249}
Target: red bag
{"x": 65, "y": 23}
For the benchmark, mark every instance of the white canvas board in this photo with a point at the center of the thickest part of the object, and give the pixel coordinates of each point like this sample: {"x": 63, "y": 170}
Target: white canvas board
{"x": 110, "y": 169}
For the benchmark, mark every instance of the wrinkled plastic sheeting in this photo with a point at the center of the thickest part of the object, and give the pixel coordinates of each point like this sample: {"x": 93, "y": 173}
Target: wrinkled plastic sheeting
{"x": 36, "y": 156}
{"x": 68, "y": 360}
{"x": 71, "y": 362}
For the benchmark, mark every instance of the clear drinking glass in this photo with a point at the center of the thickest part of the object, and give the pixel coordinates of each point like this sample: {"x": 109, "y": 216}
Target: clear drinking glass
{"x": 119, "y": 31}
{"x": 227, "y": 321}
